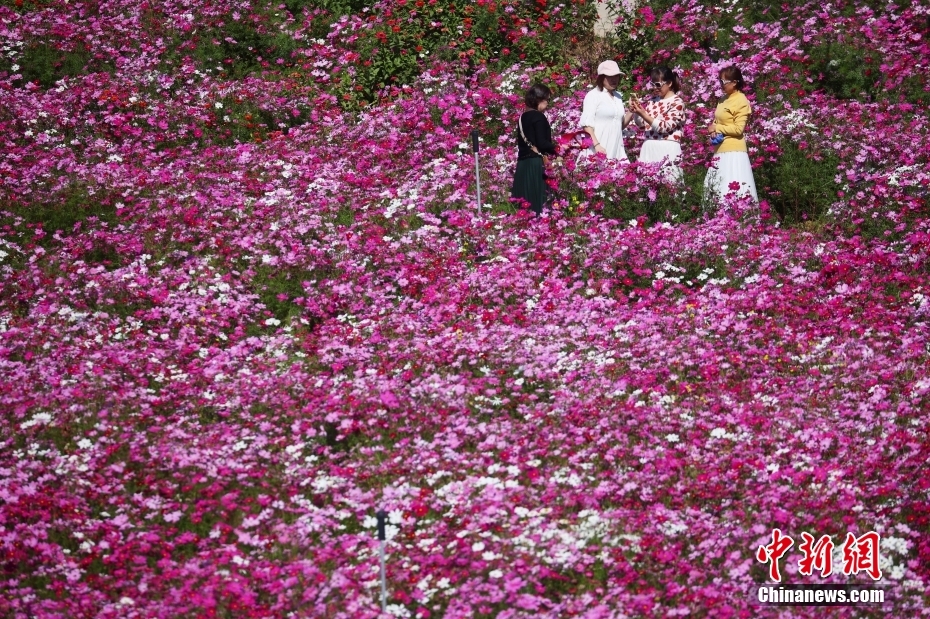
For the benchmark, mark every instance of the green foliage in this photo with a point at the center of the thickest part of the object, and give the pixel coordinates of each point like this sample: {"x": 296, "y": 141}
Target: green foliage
{"x": 247, "y": 121}
{"x": 664, "y": 203}
{"x": 320, "y": 14}
{"x": 916, "y": 90}
{"x": 278, "y": 288}
{"x": 844, "y": 71}
{"x": 334, "y": 7}
{"x": 242, "y": 47}
{"x": 444, "y": 31}
{"x": 632, "y": 53}
{"x": 62, "y": 211}
{"x": 847, "y": 8}
{"x": 467, "y": 36}
{"x": 26, "y": 6}
{"x": 45, "y": 63}
{"x": 677, "y": 205}
{"x": 761, "y": 11}
{"x": 682, "y": 47}
{"x": 800, "y": 184}
{"x": 345, "y": 216}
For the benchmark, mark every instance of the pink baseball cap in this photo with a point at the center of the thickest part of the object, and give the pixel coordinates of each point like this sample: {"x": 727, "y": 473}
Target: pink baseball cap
{"x": 608, "y": 68}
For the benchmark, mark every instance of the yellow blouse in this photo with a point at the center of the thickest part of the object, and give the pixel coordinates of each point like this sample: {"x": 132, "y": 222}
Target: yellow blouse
{"x": 730, "y": 120}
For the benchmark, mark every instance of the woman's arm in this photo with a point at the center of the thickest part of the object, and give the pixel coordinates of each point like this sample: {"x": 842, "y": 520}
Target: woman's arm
{"x": 738, "y": 115}
{"x": 588, "y": 109}
{"x": 595, "y": 142}
{"x": 672, "y": 120}
{"x": 542, "y": 131}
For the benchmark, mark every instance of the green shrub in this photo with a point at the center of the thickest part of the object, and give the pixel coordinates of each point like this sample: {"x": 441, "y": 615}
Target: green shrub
{"x": 916, "y": 90}
{"x": 322, "y": 13}
{"x": 467, "y": 36}
{"x": 662, "y": 203}
{"x": 844, "y": 71}
{"x": 671, "y": 204}
{"x": 334, "y": 7}
{"x": 46, "y": 63}
{"x": 242, "y": 47}
{"x": 800, "y": 184}
{"x": 62, "y": 211}
{"x": 279, "y": 287}
{"x": 247, "y": 121}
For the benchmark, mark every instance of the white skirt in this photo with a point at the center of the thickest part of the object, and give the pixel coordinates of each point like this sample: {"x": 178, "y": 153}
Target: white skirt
{"x": 667, "y": 152}
{"x": 732, "y": 167}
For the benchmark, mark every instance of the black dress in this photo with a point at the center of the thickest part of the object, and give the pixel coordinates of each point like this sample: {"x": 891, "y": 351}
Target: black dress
{"x": 529, "y": 180}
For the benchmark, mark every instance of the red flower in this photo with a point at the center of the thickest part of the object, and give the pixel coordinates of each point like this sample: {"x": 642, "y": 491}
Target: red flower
{"x": 419, "y": 509}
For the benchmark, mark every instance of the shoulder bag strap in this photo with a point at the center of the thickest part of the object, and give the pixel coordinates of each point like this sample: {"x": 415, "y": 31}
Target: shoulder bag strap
{"x": 528, "y": 143}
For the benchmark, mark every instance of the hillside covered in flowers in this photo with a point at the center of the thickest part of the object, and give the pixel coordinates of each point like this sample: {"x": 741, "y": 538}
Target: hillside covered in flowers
{"x": 247, "y": 299}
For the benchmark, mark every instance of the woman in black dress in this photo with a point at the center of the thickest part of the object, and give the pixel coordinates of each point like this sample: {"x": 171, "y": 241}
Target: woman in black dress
{"x": 534, "y": 141}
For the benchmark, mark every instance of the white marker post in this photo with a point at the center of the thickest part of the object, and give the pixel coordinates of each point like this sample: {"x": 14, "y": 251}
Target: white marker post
{"x": 474, "y": 147}
{"x": 382, "y": 536}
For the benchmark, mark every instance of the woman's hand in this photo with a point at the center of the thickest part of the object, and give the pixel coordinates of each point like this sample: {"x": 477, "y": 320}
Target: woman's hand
{"x": 711, "y": 128}
{"x": 639, "y": 110}
{"x": 594, "y": 141}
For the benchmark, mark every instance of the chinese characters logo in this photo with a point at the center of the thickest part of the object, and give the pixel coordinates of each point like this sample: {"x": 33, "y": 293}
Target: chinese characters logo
{"x": 860, "y": 554}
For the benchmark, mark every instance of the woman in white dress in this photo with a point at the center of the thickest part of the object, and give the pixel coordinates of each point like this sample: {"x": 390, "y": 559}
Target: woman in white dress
{"x": 663, "y": 117}
{"x": 730, "y": 172}
{"x": 602, "y": 113}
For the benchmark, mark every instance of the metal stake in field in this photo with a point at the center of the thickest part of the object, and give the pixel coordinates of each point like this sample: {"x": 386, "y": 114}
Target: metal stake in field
{"x": 474, "y": 147}
{"x": 382, "y": 536}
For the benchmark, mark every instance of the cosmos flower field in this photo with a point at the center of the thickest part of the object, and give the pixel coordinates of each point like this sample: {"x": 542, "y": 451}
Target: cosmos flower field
{"x": 247, "y": 299}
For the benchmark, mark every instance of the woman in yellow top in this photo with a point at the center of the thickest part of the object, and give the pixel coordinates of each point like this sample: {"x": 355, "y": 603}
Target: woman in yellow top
{"x": 730, "y": 171}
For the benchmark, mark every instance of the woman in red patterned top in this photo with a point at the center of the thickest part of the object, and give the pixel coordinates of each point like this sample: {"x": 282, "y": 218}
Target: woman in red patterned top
{"x": 663, "y": 117}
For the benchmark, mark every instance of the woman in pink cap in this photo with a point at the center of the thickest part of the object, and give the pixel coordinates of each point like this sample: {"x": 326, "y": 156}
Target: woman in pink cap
{"x": 602, "y": 114}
